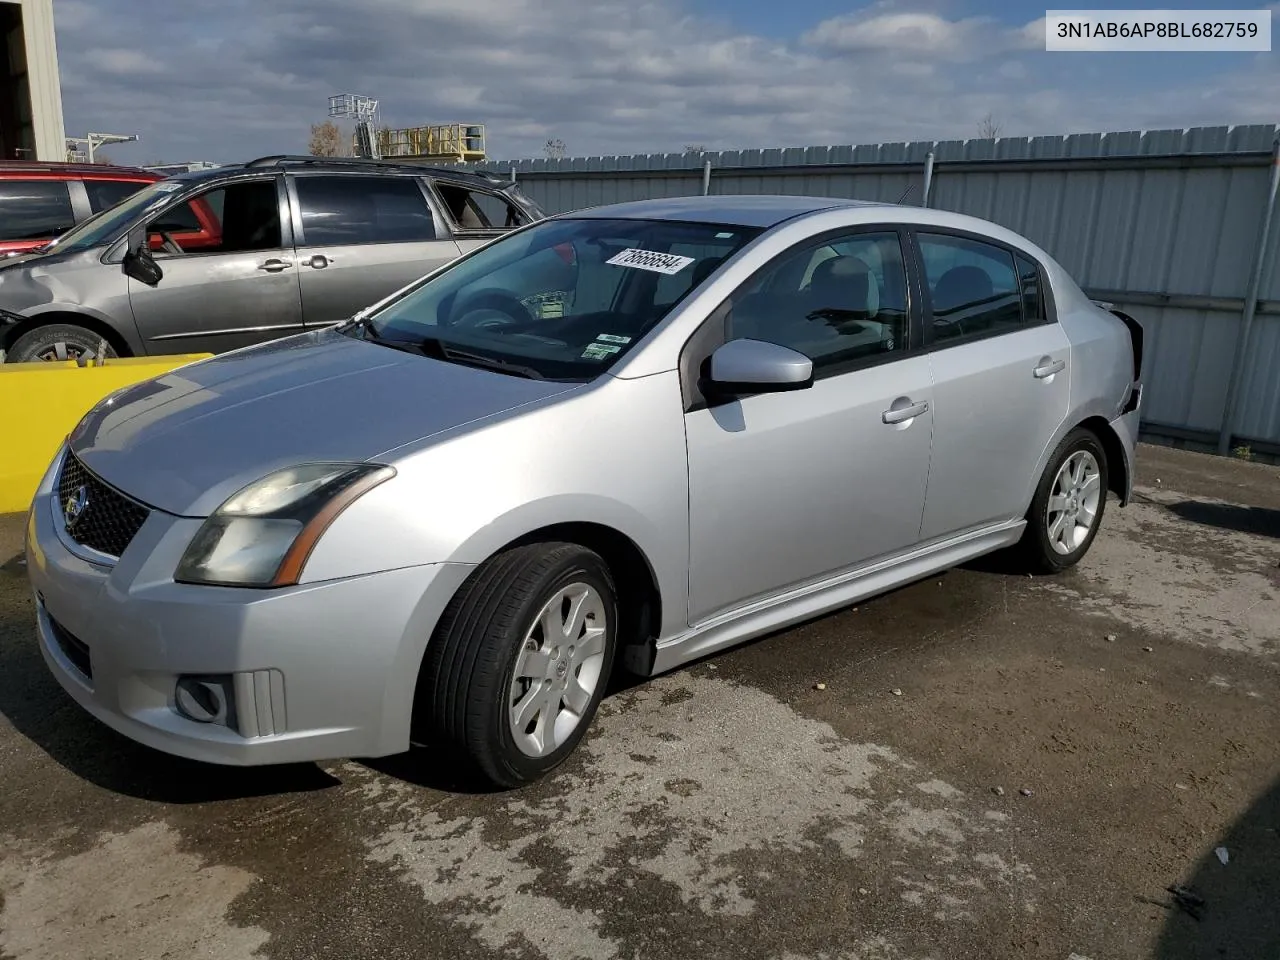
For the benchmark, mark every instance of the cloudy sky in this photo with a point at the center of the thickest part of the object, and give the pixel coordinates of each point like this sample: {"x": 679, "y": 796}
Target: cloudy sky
{"x": 227, "y": 80}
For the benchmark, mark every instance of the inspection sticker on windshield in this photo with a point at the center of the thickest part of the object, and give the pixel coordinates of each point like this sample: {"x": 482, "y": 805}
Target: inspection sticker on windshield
{"x": 598, "y": 351}
{"x": 653, "y": 260}
{"x": 612, "y": 338}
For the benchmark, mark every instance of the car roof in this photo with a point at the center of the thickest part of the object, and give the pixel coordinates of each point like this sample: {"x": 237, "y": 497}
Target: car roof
{"x": 743, "y": 211}
{"x": 56, "y": 168}
{"x": 346, "y": 165}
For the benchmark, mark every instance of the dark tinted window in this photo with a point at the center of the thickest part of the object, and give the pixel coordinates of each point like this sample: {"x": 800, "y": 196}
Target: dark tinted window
{"x": 838, "y": 301}
{"x": 354, "y": 209}
{"x": 107, "y": 193}
{"x": 1032, "y": 297}
{"x": 32, "y": 209}
{"x": 232, "y": 219}
{"x": 972, "y": 286}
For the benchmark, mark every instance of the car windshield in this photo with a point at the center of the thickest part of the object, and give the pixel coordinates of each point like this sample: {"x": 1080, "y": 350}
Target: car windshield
{"x": 564, "y": 299}
{"x": 106, "y": 225}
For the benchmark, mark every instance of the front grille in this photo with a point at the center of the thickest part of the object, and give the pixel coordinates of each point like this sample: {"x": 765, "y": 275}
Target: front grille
{"x": 97, "y": 515}
{"x": 73, "y": 648}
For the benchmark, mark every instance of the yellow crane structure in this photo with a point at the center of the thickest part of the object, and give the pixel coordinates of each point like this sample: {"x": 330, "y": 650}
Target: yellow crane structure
{"x": 455, "y": 142}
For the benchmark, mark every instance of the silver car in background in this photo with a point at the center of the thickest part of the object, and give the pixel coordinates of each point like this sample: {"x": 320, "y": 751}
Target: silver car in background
{"x": 635, "y": 434}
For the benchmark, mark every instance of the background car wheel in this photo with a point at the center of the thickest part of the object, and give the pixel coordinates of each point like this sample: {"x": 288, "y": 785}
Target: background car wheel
{"x": 519, "y": 662}
{"x": 57, "y": 341}
{"x": 1067, "y": 508}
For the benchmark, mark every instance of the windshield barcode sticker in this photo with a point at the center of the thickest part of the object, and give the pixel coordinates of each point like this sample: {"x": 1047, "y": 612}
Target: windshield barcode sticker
{"x": 654, "y": 260}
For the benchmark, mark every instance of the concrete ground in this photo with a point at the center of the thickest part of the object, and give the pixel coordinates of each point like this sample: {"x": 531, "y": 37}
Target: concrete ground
{"x": 998, "y": 766}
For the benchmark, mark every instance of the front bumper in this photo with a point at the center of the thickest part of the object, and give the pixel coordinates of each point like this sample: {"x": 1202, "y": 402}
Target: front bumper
{"x": 317, "y": 671}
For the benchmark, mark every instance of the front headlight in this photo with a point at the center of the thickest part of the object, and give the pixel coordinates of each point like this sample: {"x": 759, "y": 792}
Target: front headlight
{"x": 262, "y": 535}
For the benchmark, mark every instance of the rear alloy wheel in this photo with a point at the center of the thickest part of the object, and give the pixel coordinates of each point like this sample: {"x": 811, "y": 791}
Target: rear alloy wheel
{"x": 519, "y": 662}
{"x": 1067, "y": 509}
{"x": 57, "y": 342}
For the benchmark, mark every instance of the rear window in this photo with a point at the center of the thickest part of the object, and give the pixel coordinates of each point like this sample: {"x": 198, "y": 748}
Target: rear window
{"x": 107, "y": 193}
{"x": 34, "y": 209}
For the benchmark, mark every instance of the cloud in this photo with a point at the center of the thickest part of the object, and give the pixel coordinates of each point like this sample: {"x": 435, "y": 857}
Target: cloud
{"x": 243, "y": 78}
{"x": 923, "y": 35}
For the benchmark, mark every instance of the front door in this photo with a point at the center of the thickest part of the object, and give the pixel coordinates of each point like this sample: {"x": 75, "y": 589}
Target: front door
{"x": 1001, "y": 381}
{"x": 791, "y": 488}
{"x": 229, "y": 273}
{"x": 362, "y": 237}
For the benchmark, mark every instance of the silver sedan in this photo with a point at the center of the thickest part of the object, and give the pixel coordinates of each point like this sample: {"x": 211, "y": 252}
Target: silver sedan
{"x": 628, "y": 436}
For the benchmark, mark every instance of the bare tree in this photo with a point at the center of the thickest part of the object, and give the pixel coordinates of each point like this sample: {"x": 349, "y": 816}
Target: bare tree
{"x": 100, "y": 157}
{"x": 327, "y": 140}
{"x": 989, "y": 128}
{"x": 554, "y": 148}
{"x": 695, "y": 148}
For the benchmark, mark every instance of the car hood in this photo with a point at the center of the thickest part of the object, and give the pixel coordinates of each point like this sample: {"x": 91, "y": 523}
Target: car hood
{"x": 185, "y": 441}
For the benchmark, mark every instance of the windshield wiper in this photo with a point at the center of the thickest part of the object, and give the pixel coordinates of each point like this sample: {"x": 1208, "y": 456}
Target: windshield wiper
{"x": 433, "y": 347}
{"x": 480, "y": 360}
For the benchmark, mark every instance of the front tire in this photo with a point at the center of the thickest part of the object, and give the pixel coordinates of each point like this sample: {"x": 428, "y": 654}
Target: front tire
{"x": 1066, "y": 511}
{"x": 519, "y": 662}
{"x": 56, "y": 342}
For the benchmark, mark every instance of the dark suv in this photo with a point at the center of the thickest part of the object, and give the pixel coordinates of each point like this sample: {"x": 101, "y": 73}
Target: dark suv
{"x": 217, "y": 259}
{"x": 40, "y": 201}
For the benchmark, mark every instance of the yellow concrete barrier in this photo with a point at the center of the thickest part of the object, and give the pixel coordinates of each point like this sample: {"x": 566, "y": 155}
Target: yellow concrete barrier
{"x": 40, "y": 403}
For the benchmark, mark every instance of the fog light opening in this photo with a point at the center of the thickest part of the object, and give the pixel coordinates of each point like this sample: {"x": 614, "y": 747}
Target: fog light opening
{"x": 203, "y": 699}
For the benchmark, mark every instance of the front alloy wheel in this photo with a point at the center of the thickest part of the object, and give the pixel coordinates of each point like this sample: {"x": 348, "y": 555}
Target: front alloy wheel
{"x": 518, "y": 664}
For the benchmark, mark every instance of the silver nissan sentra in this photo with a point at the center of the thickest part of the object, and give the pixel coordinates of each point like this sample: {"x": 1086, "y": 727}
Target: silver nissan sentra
{"x": 632, "y": 435}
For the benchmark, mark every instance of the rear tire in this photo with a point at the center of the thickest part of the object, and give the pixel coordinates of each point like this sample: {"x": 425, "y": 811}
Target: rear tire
{"x": 519, "y": 662}
{"x": 56, "y": 342}
{"x": 1066, "y": 511}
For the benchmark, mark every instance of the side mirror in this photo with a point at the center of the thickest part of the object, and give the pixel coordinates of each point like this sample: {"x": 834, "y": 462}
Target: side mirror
{"x": 138, "y": 262}
{"x": 743, "y": 367}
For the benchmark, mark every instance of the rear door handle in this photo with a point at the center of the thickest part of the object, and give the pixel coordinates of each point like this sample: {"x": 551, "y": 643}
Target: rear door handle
{"x": 274, "y": 265}
{"x": 1047, "y": 368}
{"x": 899, "y": 414}
{"x": 319, "y": 261}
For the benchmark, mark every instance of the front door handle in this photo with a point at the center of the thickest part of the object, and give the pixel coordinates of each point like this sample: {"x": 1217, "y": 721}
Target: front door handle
{"x": 319, "y": 261}
{"x": 909, "y": 412}
{"x": 1047, "y": 368}
{"x": 274, "y": 265}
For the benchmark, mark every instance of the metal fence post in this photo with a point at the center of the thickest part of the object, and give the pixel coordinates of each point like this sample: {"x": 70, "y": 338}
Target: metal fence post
{"x": 928, "y": 179}
{"x": 513, "y": 174}
{"x": 1230, "y": 415}
{"x": 706, "y": 178}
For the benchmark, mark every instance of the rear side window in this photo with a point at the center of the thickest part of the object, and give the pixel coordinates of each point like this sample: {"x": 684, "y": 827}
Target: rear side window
{"x": 473, "y": 209}
{"x": 355, "y": 209}
{"x": 1032, "y": 297}
{"x": 107, "y": 193}
{"x": 973, "y": 287}
{"x": 34, "y": 209}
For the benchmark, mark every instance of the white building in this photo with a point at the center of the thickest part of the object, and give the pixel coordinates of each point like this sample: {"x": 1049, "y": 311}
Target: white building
{"x": 30, "y": 95}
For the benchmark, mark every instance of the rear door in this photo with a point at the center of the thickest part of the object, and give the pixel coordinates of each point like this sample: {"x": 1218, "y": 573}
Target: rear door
{"x": 360, "y": 238}
{"x": 229, "y": 274}
{"x": 1001, "y": 382}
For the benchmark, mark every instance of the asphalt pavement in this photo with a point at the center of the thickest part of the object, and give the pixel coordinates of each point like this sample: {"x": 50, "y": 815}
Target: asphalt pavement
{"x": 983, "y": 764}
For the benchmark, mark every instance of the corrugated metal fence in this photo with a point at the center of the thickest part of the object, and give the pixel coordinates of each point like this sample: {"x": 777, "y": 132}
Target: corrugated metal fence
{"x": 1163, "y": 223}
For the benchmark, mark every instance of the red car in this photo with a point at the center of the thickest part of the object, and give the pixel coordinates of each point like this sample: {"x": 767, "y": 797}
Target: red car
{"x": 39, "y": 201}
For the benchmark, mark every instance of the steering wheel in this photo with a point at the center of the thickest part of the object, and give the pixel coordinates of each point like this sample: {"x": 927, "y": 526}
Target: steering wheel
{"x": 488, "y": 310}
{"x": 168, "y": 244}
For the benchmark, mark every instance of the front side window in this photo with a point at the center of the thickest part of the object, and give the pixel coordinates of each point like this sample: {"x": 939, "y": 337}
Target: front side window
{"x": 972, "y": 287}
{"x": 236, "y": 218}
{"x": 34, "y": 209}
{"x": 342, "y": 210}
{"x": 563, "y": 299}
{"x": 837, "y": 301}
{"x": 107, "y": 193}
